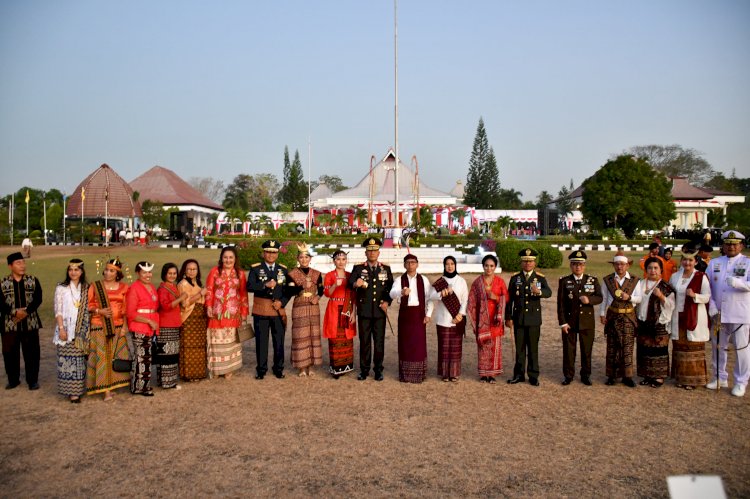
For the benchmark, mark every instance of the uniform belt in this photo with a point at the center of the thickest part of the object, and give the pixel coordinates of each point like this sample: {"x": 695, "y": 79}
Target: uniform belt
{"x": 622, "y": 310}
{"x": 146, "y": 311}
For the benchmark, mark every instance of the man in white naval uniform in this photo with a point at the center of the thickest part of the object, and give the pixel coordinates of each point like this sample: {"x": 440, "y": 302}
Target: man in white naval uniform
{"x": 730, "y": 297}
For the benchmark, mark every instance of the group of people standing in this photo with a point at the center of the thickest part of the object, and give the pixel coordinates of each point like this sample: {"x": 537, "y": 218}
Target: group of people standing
{"x": 192, "y": 331}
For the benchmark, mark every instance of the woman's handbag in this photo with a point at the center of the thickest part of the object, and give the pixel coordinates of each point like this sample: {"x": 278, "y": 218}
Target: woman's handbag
{"x": 122, "y": 365}
{"x": 245, "y": 332}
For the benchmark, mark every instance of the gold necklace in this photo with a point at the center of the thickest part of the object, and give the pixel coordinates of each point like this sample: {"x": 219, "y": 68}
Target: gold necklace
{"x": 648, "y": 290}
{"x": 76, "y": 303}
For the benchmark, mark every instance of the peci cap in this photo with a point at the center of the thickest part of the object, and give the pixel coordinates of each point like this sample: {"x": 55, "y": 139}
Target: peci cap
{"x": 14, "y": 256}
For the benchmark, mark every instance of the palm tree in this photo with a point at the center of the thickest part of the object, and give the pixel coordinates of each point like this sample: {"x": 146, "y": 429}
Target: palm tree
{"x": 360, "y": 215}
{"x": 502, "y": 225}
{"x": 458, "y": 215}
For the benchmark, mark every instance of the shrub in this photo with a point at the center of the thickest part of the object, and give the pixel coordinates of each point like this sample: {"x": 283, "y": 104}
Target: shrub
{"x": 250, "y": 252}
{"x": 507, "y": 252}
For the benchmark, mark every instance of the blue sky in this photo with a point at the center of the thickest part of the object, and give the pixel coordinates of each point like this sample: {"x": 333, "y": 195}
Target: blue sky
{"x": 219, "y": 88}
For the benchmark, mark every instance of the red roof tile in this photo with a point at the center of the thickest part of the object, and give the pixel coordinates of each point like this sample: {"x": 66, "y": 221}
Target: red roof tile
{"x": 102, "y": 181}
{"x": 163, "y": 185}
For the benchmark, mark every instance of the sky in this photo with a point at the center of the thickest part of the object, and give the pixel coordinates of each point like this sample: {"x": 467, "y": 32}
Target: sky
{"x": 215, "y": 89}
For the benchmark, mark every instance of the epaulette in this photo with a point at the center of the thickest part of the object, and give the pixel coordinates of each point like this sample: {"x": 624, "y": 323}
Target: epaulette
{"x": 255, "y": 265}
{"x": 281, "y": 265}
{"x": 514, "y": 275}
{"x": 540, "y": 274}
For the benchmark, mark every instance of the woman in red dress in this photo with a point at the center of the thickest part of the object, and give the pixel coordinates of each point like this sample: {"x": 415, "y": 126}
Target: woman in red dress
{"x": 143, "y": 322}
{"x": 485, "y": 309}
{"x": 168, "y": 342}
{"x": 339, "y": 322}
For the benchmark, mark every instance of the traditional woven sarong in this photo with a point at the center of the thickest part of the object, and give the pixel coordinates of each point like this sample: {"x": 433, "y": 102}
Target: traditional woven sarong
{"x": 71, "y": 370}
{"x": 102, "y": 350}
{"x": 412, "y": 344}
{"x": 653, "y": 350}
{"x": 306, "y": 346}
{"x": 490, "y": 357}
{"x": 620, "y": 332}
{"x": 689, "y": 361}
{"x": 167, "y": 357}
{"x": 341, "y": 353}
{"x": 450, "y": 348}
{"x": 140, "y": 381}
{"x": 224, "y": 351}
{"x": 193, "y": 344}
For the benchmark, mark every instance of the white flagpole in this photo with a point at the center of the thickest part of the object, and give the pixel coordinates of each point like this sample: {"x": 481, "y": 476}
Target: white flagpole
{"x": 395, "y": 109}
{"x": 64, "y": 216}
{"x": 309, "y": 189}
{"x": 44, "y": 205}
{"x": 12, "y": 216}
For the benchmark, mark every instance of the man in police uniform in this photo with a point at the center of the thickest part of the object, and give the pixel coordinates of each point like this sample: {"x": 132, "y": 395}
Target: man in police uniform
{"x": 577, "y": 294}
{"x": 372, "y": 282}
{"x": 730, "y": 306}
{"x": 523, "y": 313}
{"x": 266, "y": 280}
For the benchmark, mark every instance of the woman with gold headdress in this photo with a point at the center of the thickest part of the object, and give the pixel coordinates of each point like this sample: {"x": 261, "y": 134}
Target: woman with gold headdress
{"x": 306, "y": 285}
{"x": 71, "y": 331}
{"x": 340, "y": 320}
{"x": 107, "y": 339}
{"x": 143, "y": 321}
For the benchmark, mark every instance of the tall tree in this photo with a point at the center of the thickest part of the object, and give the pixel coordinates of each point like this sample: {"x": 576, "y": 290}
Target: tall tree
{"x": 210, "y": 187}
{"x": 627, "y": 193}
{"x": 543, "y": 199}
{"x": 294, "y": 190}
{"x": 509, "y": 199}
{"x": 333, "y": 182}
{"x": 236, "y": 196}
{"x": 676, "y": 161}
{"x": 565, "y": 204}
{"x": 264, "y": 188}
{"x": 482, "y": 181}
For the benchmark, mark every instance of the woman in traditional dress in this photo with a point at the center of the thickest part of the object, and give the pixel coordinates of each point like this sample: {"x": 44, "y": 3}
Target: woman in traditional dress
{"x": 485, "y": 309}
{"x": 227, "y": 307}
{"x": 107, "y": 341}
{"x": 340, "y": 320}
{"x": 689, "y": 326}
{"x": 143, "y": 321}
{"x": 71, "y": 331}
{"x": 168, "y": 342}
{"x": 194, "y": 323}
{"x": 655, "y": 302}
{"x": 306, "y": 284}
{"x": 452, "y": 296}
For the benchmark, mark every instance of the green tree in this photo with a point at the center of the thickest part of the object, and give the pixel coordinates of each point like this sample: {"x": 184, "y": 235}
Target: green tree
{"x": 676, "y": 161}
{"x": 509, "y": 199}
{"x": 483, "y": 180}
{"x": 501, "y": 226}
{"x": 627, "y": 193}
{"x": 154, "y": 214}
{"x": 294, "y": 189}
{"x": 236, "y": 196}
{"x": 333, "y": 182}
{"x": 565, "y": 204}
{"x": 543, "y": 199}
{"x": 425, "y": 219}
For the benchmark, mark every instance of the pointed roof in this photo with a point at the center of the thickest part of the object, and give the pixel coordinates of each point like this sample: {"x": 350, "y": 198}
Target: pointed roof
{"x": 458, "y": 190}
{"x": 322, "y": 191}
{"x": 681, "y": 189}
{"x": 383, "y": 183}
{"x": 106, "y": 194}
{"x": 163, "y": 185}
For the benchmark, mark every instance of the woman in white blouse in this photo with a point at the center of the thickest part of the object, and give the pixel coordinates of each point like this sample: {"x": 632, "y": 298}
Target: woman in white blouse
{"x": 655, "y": 301}
{"x": 690, "y": 330}
{"x": 451, "y": 294}
{"x": 71, "y": 331}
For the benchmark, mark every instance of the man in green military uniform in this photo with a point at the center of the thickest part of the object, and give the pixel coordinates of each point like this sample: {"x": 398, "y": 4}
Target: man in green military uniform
{"x": 577, "y": 294}
{"x": 523, "y": 314}
{"x": 372, "y": 283}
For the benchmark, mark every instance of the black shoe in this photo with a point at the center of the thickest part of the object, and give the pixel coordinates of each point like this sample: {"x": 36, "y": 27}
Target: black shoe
{"x": 628, "y": 382}
{"x": 11, "y": 386}
{"x": 259, "y": 376}
{"x": 34, "y": 386}
{"x": 280, "y": 375}
{"x": 610, "y": 381}
{"x": 586, "y": 380}
{"x": 567, "y": 381}
{"x": 147, "y": 394}
{"x": 379, "y": 377}
{"x": 533, "y": 382}
{"x": 516, "y": 379}
{"x": 361, "y": 376}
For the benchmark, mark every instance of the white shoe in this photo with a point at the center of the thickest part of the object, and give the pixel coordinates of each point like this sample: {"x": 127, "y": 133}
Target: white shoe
{"x": 738, "y": 391}
{"x": 712, "y": 385}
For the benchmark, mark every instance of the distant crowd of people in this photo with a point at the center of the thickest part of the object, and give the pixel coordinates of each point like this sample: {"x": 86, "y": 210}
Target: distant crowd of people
{"x": 108, "y": 333}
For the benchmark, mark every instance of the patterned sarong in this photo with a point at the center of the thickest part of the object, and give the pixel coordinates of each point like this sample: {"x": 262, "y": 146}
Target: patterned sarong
{"x": 306, "y": 347}
{"x": 71, "y": 370}
{"x": 689, "y": 361}
{"x": 620, "y": 332}
{"x": 140, "y": 380}
{"x": 450, "y": 347}
{"x": 167, "y": 357}
{"x": 102, "y": 350}
{"x": 193, "y": 344}
{"x": 490, "y": 357}
{"x": 341, "y": 353}
{"x": 412, "y": 345}
{"x": 653, "y": 351}
{"x": 224, "y": 352}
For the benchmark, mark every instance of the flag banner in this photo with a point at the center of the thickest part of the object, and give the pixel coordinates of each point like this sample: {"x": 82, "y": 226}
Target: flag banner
{"x": 27, "y": 196}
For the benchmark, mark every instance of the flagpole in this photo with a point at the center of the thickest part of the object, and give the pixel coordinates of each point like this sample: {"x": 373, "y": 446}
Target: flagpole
{"x": 44, "y": 204}
{"x": 27, "y": 213}
{"x": 64, "y": 217}
{"x": 83, "y": 198}
{"x": 106, "y": 215}
{"x": 12, "y": 216}
{"x": 309, "y": 190}
{"x": 395, "y": 108}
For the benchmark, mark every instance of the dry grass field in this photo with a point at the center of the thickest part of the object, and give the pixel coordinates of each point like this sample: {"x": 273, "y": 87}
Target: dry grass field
{"x": 303, "y": 437}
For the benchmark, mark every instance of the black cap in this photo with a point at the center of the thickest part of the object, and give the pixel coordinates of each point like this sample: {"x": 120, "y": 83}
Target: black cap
{"x": 271, "y": 246}
{"x": 14, "y": 256}
{"x": 528, "y": 254}
{"x": 578, "y": 256}
{"x": 372, "y": 243}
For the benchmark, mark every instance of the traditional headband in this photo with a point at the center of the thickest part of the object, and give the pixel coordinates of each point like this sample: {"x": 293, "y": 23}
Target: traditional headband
{"x": 148, "y": 267}
{"x": 75, "y": 265}
{"x": 303, "y": 249}
{"x": 620, "y": 258}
